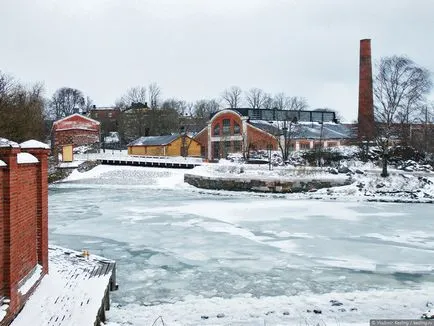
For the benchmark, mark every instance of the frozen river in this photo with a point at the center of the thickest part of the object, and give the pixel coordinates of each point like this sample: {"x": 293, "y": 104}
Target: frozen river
{"x": 176, "y": 244}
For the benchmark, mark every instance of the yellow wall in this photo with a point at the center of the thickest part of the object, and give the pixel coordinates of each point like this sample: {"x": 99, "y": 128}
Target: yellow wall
{"x": 67, "y": 153}
{"x": 173, "y": 149}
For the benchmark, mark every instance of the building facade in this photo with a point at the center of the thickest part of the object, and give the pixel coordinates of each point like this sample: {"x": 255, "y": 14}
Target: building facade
{"x": 76, "y": 130}
{"x": 169, "y": 145}
{"x": 108, "y": 117}
{"x": 245, "y": 130}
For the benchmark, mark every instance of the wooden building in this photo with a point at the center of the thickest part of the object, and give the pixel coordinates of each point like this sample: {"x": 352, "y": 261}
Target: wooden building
{"x": 169, "y": 145}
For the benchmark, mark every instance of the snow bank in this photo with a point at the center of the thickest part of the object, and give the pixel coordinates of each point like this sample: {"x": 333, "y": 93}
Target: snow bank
{"x": 352, "y": 308}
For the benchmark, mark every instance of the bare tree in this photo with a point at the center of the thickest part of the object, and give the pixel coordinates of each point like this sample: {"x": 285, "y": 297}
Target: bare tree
{"x": 66, "y": 101}
{"x": 255, "y": 98}
{"x": 296, "y": 103}
{"x": 268, "y": 102}
{"x": 284, "y": 136}
{"x": 203, "y": 109}
{"x": 134, "y": 97}
{"x": 21, "y": 110}
{"x": 400, "y": 88}
{"x": 135, "y": 120}
{"x": 154, "y": 95}
{"x": 280, "y": 101}
{"x": 232, "y": 97}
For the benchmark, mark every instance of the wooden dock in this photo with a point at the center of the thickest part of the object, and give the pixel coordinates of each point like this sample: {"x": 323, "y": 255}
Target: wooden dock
{"x": 116, "y": 158}
{"x": 149, "y": 163}
{"x": 75, "y": 292}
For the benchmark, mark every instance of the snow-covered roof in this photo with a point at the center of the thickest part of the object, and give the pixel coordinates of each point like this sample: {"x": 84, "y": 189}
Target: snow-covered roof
{"x": 306, "y": 130}
{"x": 7, "y": 143}
{"x": 34, "y": 144}
{"x": 154, "y": 140}
{"x": 23, "y": 158}
{"x": 2, "y": 163}
{"x": 76, "y": 115}
{"x": 104, "y": 108}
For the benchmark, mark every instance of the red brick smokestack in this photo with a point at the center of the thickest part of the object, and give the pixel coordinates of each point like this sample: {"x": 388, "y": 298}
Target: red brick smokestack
{"x": 366, "y": 101}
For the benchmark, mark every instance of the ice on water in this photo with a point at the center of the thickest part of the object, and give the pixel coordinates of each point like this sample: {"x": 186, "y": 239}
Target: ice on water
{"x": 176, "y": 246}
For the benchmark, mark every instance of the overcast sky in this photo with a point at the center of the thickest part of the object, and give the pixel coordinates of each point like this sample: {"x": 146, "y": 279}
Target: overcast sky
{"x": 195, "y": 49}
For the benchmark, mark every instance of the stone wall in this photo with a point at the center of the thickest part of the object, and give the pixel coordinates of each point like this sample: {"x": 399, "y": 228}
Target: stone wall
{"x": 296, "y": 184}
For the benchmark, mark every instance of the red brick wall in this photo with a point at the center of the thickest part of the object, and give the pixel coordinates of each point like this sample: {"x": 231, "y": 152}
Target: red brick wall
{"x": 202, "y": 139}
{"x": 2, "y": 267}
{"x": 257, "y": 139}
{"x": 76, "y": 137}
{"x": 24, "y": 223}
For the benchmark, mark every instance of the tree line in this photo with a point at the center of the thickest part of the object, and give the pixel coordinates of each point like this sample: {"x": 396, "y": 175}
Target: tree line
{"x": 400, "y": 88}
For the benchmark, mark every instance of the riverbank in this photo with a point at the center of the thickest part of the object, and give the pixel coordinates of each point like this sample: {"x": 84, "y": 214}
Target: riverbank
{"x": 358, "y": 183}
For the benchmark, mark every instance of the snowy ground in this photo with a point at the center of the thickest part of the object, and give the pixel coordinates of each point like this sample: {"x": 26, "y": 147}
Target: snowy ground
{"x": 366, "y": 183}
{"x": 69, "y": 295}
{"x": 192, "y": 256}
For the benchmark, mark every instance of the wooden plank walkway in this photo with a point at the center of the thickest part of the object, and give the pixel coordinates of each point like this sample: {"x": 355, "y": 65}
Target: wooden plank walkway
{"x": 144, "y": 162}
{"x": 75, "y": 292}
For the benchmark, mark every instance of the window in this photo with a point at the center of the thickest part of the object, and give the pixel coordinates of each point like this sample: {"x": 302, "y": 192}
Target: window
{"x": 226, "y": 127}
{"x": 216, "y": 150}
{"x": 226, "y": 148}
{"x": 304, "y": 145}
{"x": 216, "y": 130}
{"x": 237, "y": 146}
{"x": 237, "y": 129}
{"x": 110, "y": 114}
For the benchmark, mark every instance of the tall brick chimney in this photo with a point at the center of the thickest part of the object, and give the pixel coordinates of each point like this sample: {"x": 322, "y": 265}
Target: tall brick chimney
{"x": 366, "y": 102}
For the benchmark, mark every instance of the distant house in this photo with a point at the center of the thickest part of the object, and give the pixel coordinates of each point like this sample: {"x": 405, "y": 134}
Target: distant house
{"x": 76, "y": 130}
{"x": 169, "y": 145}
{"x": 107, "y": 116}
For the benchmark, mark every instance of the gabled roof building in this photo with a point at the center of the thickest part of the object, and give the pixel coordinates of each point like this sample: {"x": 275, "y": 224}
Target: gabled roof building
{"x": 244, "y": 130}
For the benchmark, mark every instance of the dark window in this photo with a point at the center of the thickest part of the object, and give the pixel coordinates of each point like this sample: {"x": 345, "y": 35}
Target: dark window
{"x": 304, "y": 145}
{"x": 216, "y": 131}
{"x": 237, "y": 129}
{"x": 216, "y": 150}
{"x": 226, "y": 127}
{"x": 237, "y": 146}
{"x": 226, "y": 148}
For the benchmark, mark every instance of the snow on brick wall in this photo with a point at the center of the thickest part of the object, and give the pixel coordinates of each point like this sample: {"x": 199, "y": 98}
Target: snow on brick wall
{"x": 76, "y": 121}
{"x": 23, "y": 220}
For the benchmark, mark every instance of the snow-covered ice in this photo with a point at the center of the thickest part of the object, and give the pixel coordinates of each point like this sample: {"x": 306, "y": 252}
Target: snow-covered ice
{"x": 183, "y": 253}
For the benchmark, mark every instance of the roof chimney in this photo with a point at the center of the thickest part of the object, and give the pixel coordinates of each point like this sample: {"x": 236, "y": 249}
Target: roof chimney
{"x": 366, "y": 101}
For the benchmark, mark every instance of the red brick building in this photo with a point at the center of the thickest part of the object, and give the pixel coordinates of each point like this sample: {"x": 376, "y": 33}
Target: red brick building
{"x": 23, "y": 223}
{"x": 107, "y": 116}
{"x": 76, "y": 130}
{"x": 243, "y": 130}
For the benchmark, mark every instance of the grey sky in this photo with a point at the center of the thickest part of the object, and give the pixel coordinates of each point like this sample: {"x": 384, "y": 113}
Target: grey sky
{"x": 196, "y": 48}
